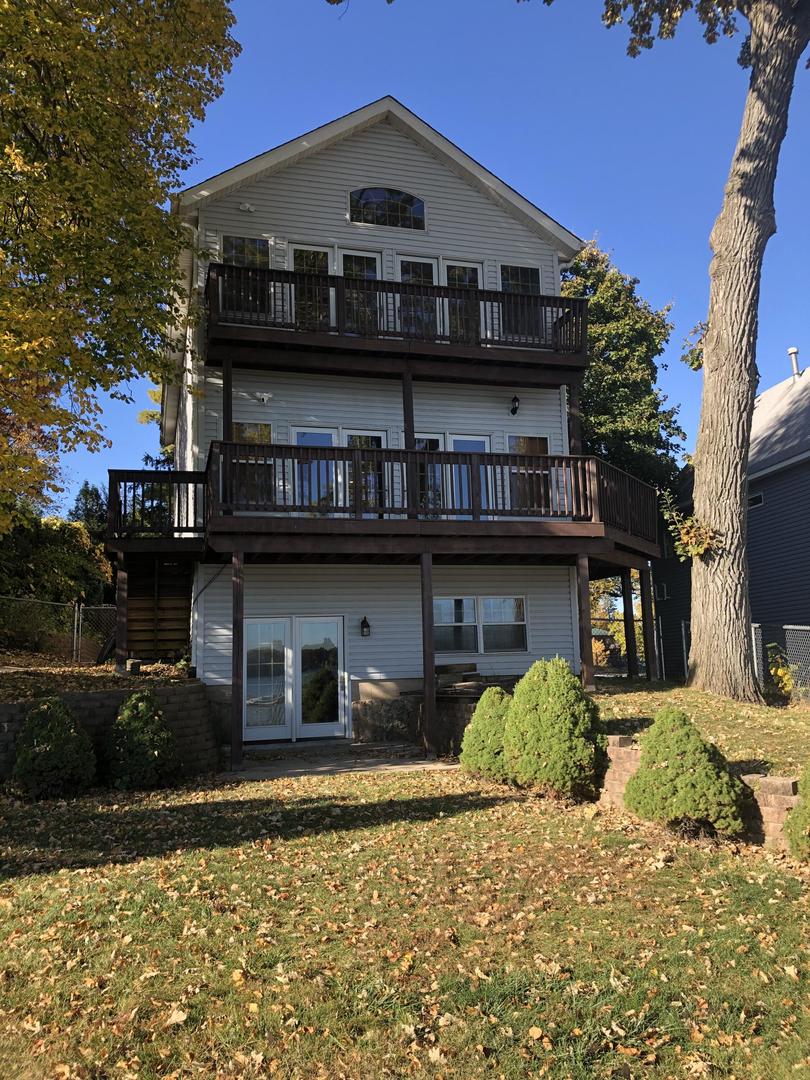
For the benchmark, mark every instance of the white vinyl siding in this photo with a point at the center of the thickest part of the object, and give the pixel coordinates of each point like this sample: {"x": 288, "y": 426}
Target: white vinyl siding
{"x": 389, "y": 597}
{"x": 376, "y": 405}
{"x": 308, "y": 203}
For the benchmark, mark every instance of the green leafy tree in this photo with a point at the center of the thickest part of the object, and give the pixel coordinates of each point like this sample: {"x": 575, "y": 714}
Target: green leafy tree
{"x": 624, "y": 415}
{"x": 90, "y": 508}
{"x": 96, "y": 105}
{"x": 482, "y": 745}
{"x": 552, "y": 739}
{"x": 683, "y": 780}
{"x": 52, "y": 560}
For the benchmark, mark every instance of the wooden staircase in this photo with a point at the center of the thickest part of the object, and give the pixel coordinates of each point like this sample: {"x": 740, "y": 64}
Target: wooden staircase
{"x": 158, "y": 606}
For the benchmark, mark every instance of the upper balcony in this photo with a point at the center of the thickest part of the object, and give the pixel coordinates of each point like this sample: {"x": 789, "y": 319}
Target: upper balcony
{"x": 284, "y": 308}
{"x": 279, "y": 499}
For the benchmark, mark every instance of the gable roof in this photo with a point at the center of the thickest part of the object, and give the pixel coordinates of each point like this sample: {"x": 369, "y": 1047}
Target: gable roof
{"x": 386, "y": 109}
{"x": 780, "y": 431}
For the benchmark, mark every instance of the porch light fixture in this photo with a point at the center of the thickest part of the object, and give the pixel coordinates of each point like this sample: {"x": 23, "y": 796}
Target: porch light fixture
{"x": 365, "y": 627}
{"x": 515, "y": 405}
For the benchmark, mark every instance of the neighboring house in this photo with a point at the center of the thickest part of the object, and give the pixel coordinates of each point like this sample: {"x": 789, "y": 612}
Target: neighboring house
{"x": 376, "y": 428}
{"x": 778, "y": 542}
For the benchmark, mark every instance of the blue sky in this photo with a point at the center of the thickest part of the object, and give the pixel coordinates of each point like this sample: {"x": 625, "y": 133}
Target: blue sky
{"x": 631, "y": 152}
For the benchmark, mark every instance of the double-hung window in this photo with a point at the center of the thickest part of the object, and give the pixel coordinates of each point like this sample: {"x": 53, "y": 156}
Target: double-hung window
{"x": 521, "y": 314}
{"x": 247, "y": 251}
{"x": 246, "y": 292}
{"x": 480, "y": 624}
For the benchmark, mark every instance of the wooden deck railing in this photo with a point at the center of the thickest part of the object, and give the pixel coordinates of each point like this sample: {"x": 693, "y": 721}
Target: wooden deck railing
{"x": 364, "y": 483}
{"x": 354, "y": 307}
{"x": 156, "y": 503}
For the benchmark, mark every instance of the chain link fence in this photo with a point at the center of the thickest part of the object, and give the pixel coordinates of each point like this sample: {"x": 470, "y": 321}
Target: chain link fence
{"x": 73, "y": 632}
{"x": 775, "y": 646}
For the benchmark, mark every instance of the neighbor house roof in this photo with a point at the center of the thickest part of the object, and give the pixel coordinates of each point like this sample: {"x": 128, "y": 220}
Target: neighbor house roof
{"x": 780, "y": 432}
{"x": 386, "y": 109}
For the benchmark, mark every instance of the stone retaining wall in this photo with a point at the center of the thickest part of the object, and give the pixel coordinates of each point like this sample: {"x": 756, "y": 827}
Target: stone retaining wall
{"x": 184, "y": 705}
{"x": 773, "y": 797}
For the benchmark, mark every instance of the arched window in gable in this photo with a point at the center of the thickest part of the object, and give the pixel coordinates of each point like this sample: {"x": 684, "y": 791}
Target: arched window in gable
{"x": 386, "y": 206}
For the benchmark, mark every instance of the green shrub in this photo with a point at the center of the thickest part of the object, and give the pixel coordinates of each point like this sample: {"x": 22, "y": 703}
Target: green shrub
{"x": 797, "y": 826}
{"x": 682, "y": 780}
{"x": 552, "y": 739}
{"x": 482, "y": 744}
{"x": 55, "y": 756}
{"x": 141, "y": 751}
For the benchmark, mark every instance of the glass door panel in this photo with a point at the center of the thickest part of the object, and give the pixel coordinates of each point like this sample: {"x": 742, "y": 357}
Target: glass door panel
{"x": 267, "y": 713}
{"x": 312, "y": 295}
{"x": 321, "y": 709}
{"x": 430, "y": 478}
{"x": 316, "y": 481}
{"x": 460, "y": 478}
{"x": 464, "y": 311}
{"x": 417, "y": 312}
{"x": 361, "y": 304}
{"x": 371, "y": 475}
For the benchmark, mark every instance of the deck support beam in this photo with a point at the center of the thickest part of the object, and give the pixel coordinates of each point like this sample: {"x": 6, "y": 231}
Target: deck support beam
{"x": 648, "y": 624}
{"x": 428, "y": 655}
{"x": 585, "y": 630}
{"x": 629, "y": 625}
{"x": 121, "y": 626}
{"x": 227, "y": 400}
{"x": 238, "y": 656}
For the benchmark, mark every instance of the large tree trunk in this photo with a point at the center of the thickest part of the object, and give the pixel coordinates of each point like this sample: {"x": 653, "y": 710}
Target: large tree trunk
{"x": 721, "y": 656}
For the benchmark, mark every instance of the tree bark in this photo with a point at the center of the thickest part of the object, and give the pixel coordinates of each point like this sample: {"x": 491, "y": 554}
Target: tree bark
{"x": 721, "y": 657}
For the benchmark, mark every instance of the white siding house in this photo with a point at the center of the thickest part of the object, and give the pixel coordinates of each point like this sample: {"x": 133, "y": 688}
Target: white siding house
{"x": 376, "y": 433}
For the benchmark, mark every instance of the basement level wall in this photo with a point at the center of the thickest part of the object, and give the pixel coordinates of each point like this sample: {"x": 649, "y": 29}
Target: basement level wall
{"x": 389, "y": 597}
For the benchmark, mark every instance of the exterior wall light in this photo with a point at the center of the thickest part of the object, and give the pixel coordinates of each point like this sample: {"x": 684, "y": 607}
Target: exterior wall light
{"x": 515, "y": 405}
{"x": 365, "y": 627}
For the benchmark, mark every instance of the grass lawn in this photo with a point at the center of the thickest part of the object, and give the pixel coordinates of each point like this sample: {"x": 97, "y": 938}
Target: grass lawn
{"x": 26, "y": 675}
{"x": 756, "y": 738}
{"x": 368, "y": 926}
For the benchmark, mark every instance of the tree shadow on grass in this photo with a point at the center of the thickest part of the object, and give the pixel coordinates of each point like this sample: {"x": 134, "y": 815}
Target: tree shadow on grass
{"x": 39, "y": 838}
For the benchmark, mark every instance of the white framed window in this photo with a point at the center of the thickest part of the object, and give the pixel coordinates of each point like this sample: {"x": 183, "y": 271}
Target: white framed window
{"x": 455, "y": 624}
{"x": 503, "y": 623}
{"x": 661, "y": 591}
{"x": 480, "y": 624}
{"x": 755, "y": 500}
{"x": 247, "y": 251}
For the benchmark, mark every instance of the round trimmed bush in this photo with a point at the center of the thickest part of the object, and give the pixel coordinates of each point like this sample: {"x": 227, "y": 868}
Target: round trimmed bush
{"x": 482, "y": 745}
{"x": 141, "y": 750}
{"x": 797, "y": 826}
{"x": 552, "y": 738}
{"x": 55, "y": 756}
{"x": 682, "y": 780}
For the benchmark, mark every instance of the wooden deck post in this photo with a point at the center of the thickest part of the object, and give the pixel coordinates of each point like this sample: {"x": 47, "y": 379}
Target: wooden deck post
{"x": 121, "y": 642}
{"x": 227, "y": 400}
{"x": 238, "y": 655}
{"x": 629, "y": 625}
{"x": 648, "y": 624}
{"x": 585, "y": 630}
{"x": 428, "y": 654}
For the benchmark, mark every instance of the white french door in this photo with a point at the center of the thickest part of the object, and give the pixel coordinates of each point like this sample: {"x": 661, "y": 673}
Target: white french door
{"x": 418, "y": 315}
{"x": 463, "y": 311}
{"x": 294, "y": 678}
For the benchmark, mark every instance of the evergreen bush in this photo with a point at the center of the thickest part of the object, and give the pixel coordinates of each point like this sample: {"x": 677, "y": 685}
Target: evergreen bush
{"x": 141, "y": 750}
{"x": 682, "y": 780}
{"x": 55, "y": 756}
{"x": 552, "y": 738}
{"x": 482, "y": 744}
{"x": 797, "y": 826}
